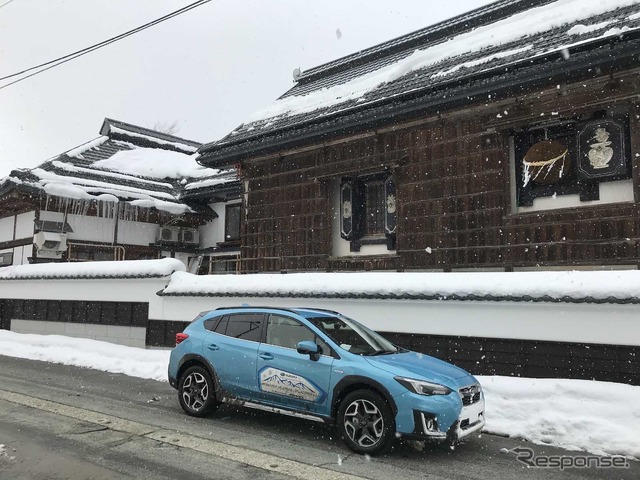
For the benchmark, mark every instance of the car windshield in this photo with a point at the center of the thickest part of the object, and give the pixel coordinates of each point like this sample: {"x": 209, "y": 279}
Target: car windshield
{"x": 353, "y": 337}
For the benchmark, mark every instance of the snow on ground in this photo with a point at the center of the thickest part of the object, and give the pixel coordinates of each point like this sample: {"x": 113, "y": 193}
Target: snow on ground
{"x": 597, "y": 417}
{"x": 573, "y": 284}
{"x": 127, "y": 269}
{"x": 83, "y": 352}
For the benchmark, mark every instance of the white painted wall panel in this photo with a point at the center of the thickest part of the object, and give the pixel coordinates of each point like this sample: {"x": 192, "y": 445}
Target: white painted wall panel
{"x": 209, "y": 233}
{"x": 51, "y": 216}
{"x": 6, "y": 229}
{"x": 137, "y": 233}
{"x": 587, "y": 323}
{"x": 561, "y": 322}
{"x": 25, "y": 225}
{"x": 91, "y": 229}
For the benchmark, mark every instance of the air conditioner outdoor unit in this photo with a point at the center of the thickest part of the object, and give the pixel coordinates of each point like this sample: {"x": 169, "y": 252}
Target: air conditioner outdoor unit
{"x": 50, "y": 244}
{"x": 169, "y": 234}
{"x": 190, "y": 236}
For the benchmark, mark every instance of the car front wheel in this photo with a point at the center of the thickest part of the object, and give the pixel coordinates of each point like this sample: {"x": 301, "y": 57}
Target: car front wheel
{"x": 196, "y": 392}
{"x": 366, "y": 422}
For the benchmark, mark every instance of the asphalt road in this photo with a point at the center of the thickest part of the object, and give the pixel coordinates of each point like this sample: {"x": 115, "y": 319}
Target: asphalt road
{"x": 60, "y": 422}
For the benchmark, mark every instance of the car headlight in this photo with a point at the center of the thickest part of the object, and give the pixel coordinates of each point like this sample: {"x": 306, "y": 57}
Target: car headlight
{"x": 423, "y": 388}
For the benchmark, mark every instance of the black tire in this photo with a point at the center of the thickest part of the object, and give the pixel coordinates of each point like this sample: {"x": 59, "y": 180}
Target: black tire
{"x": 196, "y": 392}
{"x": 366, "y": 422}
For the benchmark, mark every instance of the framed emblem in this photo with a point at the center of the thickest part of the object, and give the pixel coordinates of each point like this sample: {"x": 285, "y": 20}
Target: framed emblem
{"x": 602, "y": 149}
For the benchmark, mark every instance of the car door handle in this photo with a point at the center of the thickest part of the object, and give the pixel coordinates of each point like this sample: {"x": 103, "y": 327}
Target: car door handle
{"x": 266, "y": 356}
{"x": 213, "y": 346}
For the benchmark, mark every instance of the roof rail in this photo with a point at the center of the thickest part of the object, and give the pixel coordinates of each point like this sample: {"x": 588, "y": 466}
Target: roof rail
{"x": 326, "y": 310}
{"x": 251, "y": 307}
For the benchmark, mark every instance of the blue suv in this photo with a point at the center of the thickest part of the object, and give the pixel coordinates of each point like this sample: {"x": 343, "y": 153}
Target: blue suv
{"x": 320, "y": 365}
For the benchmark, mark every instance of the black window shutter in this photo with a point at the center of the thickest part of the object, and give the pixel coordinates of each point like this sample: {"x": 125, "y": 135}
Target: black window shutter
{"x": 390, "y": 218}
{"x": 352, "y": 208}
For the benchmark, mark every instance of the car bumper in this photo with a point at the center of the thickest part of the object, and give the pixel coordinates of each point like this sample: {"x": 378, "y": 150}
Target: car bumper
{"x": 439, "y": 418}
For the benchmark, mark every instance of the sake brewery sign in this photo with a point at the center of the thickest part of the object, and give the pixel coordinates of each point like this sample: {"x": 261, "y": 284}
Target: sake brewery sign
{"x": 602, "y": 149}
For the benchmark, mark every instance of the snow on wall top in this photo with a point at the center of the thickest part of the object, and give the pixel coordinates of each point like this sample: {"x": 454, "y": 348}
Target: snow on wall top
{"x": 531, "y": 33}
{"x": 121, "y": 269}
{"x": 570, "y": 286}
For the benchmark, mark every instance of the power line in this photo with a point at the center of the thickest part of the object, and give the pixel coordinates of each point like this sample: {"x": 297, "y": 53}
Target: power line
{"x": 71, "y": 56}
{"x": 6, "y": 3}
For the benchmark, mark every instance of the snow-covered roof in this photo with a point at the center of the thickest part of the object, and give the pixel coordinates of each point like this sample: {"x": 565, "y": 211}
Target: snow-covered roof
{"x": 125, "y": 164}
{"x": 564, "y": 286}
{"x": 83, "y": 270}
{"x": 489, "y": 42}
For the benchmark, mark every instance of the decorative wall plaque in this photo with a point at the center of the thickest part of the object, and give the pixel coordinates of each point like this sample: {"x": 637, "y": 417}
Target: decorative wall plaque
{"x": 546, "y": 162}
{"x": 602, "y": 149}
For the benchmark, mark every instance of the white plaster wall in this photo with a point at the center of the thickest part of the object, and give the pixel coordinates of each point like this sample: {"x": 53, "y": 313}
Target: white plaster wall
{"x": 588, "y": 323}
{"x": 91, "y": 229}
{"x": 51, "y": 216}
{"x": 131, "y": 336}
{"x": 6, "y": 229}
{"x": 107, "y": 290}
{"x": 213, "y": 232}
{"x": 610, "y": 192}
{"x": 21, "y": 254}
{"x": 25, "y": 225}
{"x": 582, "y": 323}
{"x": 137, "y": 233}
{"x": 209, "y": 233}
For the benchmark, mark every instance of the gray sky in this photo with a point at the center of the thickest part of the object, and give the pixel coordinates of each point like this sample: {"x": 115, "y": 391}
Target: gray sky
{"x": 207, "y": 70}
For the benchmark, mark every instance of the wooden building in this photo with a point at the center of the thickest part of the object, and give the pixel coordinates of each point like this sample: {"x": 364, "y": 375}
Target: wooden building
{"x": 503, "y": 139}
{"x": 132, "y": 193}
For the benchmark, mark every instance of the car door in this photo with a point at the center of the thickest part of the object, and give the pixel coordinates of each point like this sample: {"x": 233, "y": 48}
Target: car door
{"x": 232, "y": 350}
{"x": 287, "y": 378}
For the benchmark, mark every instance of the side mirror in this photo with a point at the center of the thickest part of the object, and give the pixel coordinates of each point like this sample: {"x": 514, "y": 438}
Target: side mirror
{"x": 307, "y": 347}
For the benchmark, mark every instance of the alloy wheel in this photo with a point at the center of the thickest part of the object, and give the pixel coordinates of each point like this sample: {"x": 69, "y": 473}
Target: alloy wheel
{"x": 195, "y": 391}
{"x": 363, "y": 423}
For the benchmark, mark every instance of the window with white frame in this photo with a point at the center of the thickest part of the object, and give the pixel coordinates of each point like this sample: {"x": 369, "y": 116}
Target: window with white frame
{"x": 368, "y": 210}
{"x": 572, "y": 157}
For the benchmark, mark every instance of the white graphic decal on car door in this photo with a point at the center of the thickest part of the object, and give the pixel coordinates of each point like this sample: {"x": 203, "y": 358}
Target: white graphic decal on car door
{"x": 280, "y": 382}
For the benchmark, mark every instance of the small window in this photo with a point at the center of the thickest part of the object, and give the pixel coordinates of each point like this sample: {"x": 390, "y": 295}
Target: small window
{"x": 6, "y": 259}
{"x": 286, "y": 332}
{"x": 368, "y": 210}
{"x": 245, "y": 326}
{"x": 219, "y": 265}
{"x": 232, "y": 222}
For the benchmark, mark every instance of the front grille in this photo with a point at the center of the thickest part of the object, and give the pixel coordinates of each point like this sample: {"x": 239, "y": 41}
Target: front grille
{"x": 470, "y": 394}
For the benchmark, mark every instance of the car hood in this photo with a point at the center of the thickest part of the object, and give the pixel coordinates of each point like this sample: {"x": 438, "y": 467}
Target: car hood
{"x": 422, "y": 367}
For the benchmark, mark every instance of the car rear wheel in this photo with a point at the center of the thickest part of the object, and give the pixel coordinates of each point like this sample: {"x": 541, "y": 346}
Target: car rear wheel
{"x": 366, "y": 422}
{"x": 196, "y": 392}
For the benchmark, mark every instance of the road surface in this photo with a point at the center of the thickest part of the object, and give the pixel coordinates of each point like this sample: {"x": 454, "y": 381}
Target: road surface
{"x": 62, "y": 422}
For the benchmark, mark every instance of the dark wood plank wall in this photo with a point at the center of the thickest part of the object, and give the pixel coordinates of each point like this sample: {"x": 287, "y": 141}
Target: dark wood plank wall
{"x": 454, "y": 193}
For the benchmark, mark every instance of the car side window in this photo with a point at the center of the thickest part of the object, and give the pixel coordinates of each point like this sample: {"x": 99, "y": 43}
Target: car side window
{"x": 220, "y": 326}
{"x": 246, "y": 326}
{"x": 212, "y": 323}
{"x": 286, "y": 332}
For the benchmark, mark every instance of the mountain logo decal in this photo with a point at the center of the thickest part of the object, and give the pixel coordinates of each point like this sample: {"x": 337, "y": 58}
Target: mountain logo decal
{"x": 280, "y": 382}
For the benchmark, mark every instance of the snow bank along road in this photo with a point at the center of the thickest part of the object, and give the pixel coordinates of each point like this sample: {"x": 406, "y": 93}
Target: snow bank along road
{"x": 132, "y": 426}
